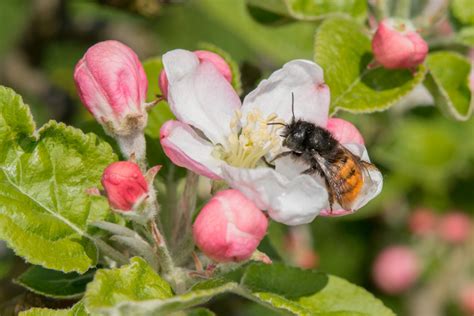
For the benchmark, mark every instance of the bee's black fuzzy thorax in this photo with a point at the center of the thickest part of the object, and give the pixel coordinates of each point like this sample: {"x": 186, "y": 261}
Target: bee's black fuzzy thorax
{"x": 306, "y": 137}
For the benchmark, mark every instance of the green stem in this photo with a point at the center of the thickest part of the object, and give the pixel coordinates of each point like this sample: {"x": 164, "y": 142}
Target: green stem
{"x": 134, "y": 145}
{"x": 174, "y": 275}
{"x": 403, "y": 9}
{"x": 380, "y": 9}
{"x": 183, "y": 216}
{"x": 110, "y": 252}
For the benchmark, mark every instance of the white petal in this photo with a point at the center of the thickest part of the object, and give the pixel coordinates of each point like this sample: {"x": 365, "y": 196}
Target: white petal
{"x": 292, "y": 202}
{"x": 302, "y": 77}
{"x": 186, "y": 149}
{"x": 373, "y": 179}
{"x": 199, "y": 94}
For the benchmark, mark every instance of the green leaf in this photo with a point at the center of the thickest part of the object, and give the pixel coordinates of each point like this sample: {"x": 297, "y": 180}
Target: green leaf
{"x": 77, "y": 310}
{"x": 448, "y": 82}
{"x": 463, "y": 10}
{"x": 310, "y": 10}
{"x": 161, "y": 112}
{"x": 196, "y": 312}
{"x": 343, "y": 50}
{"x": 55, "y": 284}
{"x": 466, "y": 36}
{"x": 285, "y": 281}
{"x": 44, "y": 210}
{"x": 301, "y": 292}
{"x": 340, "y": 296}
{"x": 234, "y": 67}
{"x": 134, "y": 282}
{"x": 307, "y": 292}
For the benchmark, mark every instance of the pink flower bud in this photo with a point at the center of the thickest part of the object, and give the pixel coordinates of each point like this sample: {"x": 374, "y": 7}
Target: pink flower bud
{"x": 466, "y": 299}
{"x": 396, "y": 45}
{"x": 454, "y": 227}
{"x": 395, "y": 269}
{"x": 124, "y": 185}
{"x": 203, "y": 56}
{"x": 229, "y": 227}
{"x": 422, "y": 222}
{"x": 112, "y": 85}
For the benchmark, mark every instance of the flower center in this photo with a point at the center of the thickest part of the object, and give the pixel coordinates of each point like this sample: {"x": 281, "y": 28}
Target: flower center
{"x": 249, "y": 143}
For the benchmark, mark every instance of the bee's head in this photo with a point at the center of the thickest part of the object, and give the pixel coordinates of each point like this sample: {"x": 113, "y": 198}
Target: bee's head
{"x": 296, "y": 134}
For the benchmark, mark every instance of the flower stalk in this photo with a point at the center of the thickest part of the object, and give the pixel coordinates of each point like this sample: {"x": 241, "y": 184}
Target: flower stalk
{"x": 182, "y": 217}
{"x": 174, "y": 275}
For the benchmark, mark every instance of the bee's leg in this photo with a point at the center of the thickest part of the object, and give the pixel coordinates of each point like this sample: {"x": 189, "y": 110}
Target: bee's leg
{"x": 284, "y": 154}
{"x": 268, "y": 163}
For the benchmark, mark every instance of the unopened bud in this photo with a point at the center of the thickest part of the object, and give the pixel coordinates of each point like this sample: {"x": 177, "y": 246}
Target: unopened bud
{"x": 203, "y": 56}
{"x": 112, "y": 85}
{"x": 229, "y": 227}
{"x": 125, "y": 186}
{"x": 396, "y": 269}
{"x": 396, "y": 45}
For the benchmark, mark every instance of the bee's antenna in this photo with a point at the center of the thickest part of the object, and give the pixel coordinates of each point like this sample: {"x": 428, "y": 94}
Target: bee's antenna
{"x": 293, "y": 106}
{"x": 276, "y": 123}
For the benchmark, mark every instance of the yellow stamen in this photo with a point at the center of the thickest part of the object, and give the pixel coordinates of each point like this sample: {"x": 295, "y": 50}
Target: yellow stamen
{"x": 248, "y": 144}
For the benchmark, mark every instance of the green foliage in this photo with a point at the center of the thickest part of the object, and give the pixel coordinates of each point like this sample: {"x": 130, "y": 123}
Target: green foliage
{"x": 229, "y": 25}
{"x": 55, "y": 284}
{"x": 342, "y": 297}
{"x": 428, "y": 158}
{"x": 77, "y": 310}
{"x": 302, "y": 292}
{"x": 314, "y": 10}
{"x": 463, "y": 11}
{"x": 12, "y": 13}
{"x": 448, "y": 83}
{"x": 196, "y": 312}
{"x": 44, "y": 209}
{"x": 466, "y": 36}
{"x": 136, "y": 281}
{"x": 343, "y": 50}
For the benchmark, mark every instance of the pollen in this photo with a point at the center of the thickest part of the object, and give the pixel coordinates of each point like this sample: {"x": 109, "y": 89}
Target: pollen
{"x": 251, "y": 139}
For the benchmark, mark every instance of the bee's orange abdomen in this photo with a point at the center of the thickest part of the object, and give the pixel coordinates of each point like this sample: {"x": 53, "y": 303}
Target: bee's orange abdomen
{"x": 350, "y": 177}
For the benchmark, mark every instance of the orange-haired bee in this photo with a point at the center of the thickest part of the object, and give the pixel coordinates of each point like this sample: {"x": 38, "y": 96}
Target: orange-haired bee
{"x": 342, "y": 171}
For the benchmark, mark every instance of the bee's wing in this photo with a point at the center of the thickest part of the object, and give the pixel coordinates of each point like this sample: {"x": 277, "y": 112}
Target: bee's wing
{"x": 338, "y": 186}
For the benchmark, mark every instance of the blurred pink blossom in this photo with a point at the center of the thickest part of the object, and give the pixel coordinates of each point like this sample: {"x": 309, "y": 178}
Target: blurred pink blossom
{"x": 466, "y": 299}
{"x": 455, "y": 227}
{"x": 422, "y": 221}
{"x": 396, "y": 269}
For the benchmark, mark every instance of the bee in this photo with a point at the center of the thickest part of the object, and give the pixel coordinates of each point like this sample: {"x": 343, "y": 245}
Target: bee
{"x": 342, "y": 171}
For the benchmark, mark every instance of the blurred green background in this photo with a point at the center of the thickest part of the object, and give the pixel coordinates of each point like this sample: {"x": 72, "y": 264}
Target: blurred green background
{"x": 427, "y": 159}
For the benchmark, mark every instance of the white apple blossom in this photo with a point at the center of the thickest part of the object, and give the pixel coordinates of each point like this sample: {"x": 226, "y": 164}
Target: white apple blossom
{"x": 219, "y": 137}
